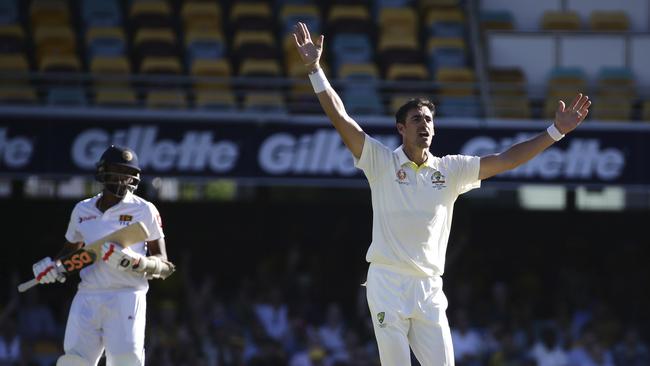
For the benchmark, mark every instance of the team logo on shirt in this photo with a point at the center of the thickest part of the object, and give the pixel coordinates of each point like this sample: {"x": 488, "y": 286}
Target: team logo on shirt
{"x": 380, "y": 319}
{"x": 86, "y": 218}
{"x": 401, "y": 177}
{"x": 438, "y": 180}
{"x": 125, "y": 219}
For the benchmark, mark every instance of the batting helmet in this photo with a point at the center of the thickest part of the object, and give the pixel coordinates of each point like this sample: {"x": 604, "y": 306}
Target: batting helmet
{"x": 118, "y": 170}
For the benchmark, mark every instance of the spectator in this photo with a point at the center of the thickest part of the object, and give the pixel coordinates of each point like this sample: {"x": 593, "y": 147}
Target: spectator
{"x": 631, "y": 351}
{"x": 547, "y": 350}
{"x": 467, "y": 342}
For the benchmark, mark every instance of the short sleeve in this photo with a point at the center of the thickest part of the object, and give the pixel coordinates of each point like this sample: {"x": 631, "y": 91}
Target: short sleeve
{"x": 465, "y": 170}
{"x": 153, "y": 222}
{"x": 72, "y": 234}
{"x": 375, "y": 157}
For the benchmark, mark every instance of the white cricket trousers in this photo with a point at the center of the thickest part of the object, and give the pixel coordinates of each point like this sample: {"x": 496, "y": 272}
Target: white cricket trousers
{"x": 409, "y": 310}
{"x": 114, "y": 320}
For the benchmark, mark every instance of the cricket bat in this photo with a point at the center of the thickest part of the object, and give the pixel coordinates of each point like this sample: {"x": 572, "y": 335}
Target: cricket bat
{"x": 86, "y": 255}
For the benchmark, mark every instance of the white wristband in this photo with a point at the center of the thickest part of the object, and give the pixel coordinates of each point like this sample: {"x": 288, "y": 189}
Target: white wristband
{"x": 554, "y": 132}
{"x": 319, "y": 81}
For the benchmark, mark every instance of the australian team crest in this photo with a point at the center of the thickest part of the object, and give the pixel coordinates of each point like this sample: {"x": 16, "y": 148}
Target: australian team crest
{"x": 438, "y": 180}
{"x": 380, "y": 319}
{"x": 401, "y": 177}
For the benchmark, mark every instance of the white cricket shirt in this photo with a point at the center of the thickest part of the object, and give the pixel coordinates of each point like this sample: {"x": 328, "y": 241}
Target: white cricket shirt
{"x": 88, "y": 223}
{"x": 413, "y": 206}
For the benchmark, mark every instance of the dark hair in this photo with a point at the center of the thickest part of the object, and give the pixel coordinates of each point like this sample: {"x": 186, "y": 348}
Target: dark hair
{"x": 416, "y": 103}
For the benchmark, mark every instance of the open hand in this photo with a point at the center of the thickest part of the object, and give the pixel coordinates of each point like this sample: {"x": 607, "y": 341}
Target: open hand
{"x": 568, "y": 118}
{"x": 309, "y": 51}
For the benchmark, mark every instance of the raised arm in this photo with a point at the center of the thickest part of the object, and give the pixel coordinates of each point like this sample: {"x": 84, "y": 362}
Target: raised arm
{"x": 566, "y": 120}
{"x": 310, "y": 53}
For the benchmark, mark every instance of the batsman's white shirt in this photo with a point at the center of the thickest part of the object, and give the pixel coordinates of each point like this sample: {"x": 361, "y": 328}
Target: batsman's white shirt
{"x": 413, "y": 206}
{"x": 88, "y": 223}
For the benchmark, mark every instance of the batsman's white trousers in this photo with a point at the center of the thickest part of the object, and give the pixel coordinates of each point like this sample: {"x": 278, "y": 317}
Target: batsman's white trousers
{"x": 114, "y": 320}
{"x": 409, "y": 310}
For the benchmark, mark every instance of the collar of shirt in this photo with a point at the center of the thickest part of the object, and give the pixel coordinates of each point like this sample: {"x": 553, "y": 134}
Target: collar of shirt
{"x": 405, "y": 161}
{"x": 128, "y": 198}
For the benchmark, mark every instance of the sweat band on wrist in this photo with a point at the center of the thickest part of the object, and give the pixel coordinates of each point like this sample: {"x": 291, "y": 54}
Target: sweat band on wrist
{"x": 554, "y": 132}
{"x": 319, "y": 81}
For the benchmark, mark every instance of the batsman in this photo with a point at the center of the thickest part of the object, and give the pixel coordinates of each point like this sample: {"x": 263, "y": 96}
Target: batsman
{"x": 108, "y": 310}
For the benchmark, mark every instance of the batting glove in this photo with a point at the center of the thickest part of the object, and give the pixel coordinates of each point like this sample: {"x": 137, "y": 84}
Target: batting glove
{"x": 116, "y": 256}
{"x": 46, "y": 271}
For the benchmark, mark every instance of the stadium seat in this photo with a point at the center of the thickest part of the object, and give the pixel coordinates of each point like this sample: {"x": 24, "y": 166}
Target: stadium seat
{"x": 351, "y": 48}
{"x": 118, "y": 65}
{"x": 9, "y": 12}
{"x": 398, "y": 100}
{"x": 560, "y": 20}
{"x": 349, "y": 19}
{"x": 507, "y": 82}
{"x": 446, "y": 52}
{"x": 49, "y": 13}
{"x": 13, "y": 63}
{"x": 254, "y": 44}
{"x": 161, "y": 65}
{"x": 150, "y": 14}
{"x": 511, "y": 107}
{"x": 116, "y": 97}
{"x": 611, "y": 109}
{"x": 407, "y": 72}
{"x": 264, "y": 102}
{"x": 456, "y": 82}
{"x": 68, "y": 96}
{"x": 426, "y": 5}
{"x": 221, "y": 101}
{"x": 441, "y": 15}
{"x": 402, "y": 21}
{"x": 166, "y": 99}
{"x": 608, "y": 21}
{"x": 12, "y": 39}
{"x": 211, "y": 74}
{"x": 204, "y": 43}
{"x": 496, "y": 20}
{"x": 366, "y": 103}
{"x": 565, "y": 82}
{"x": 459, "y": 107}
{"x": 366, "y": 72}
{"x": 616, "y": 82}
{"x": 101, "y": 13}
{"x": 202, "y": 15}
{"x": 245, "y": 15}
{"x": 394, "y": 48}
{"x": 105, "y": 41}
{"x": 259, "y": 68}
{"x": 154, "y": 42}
{"x": 59, "y": 63}
{"x": 54, "y": 40}
{"x": 290, "y": 14}
{"x": 17, "y": 95}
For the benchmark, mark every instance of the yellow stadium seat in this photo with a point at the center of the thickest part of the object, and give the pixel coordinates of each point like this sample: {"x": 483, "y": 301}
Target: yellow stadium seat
{"x": 611, "y": 109}
{"x": 13, "y": 62}
{"x": 12, "y": 38}
{"x": 407, "y": 72}
{"x": 243, "y": 38}
{"x": 254, "y": 67}
{"x": 354, "y": 70}
{"x": 150, "y": 7}
{"x": 203, "y": 34}
{"x": 166, "y": 99}
{"x": 398, "y": 20}
{"x": 511, "y": 107}
{"x": 608, "y": 21}
{"x": 437, "y": 42}
{"x": 49, "y": 13}
{"x": 202, "y": 15}
{"x": 211, "y": 74}
{"x": 110, "y": 65}
{"x": 244, "y": 9}
{"x": 560, "y": 20}
{"x": 54, "y": 40}
{"x": 104, "y": 32}
{"x": 507, "y": 82}
{"x": 166, "y": 36}
{"x": 18, "y": 94}
{"x": 264, "y": 101}
{"x": 455, "y": 81}
{"x": 223, "y": 100}
{"x": 161, "y": 65}
{"x": 444, "y": 15}
{"x": 59, "y": 63}
{"x": 338, "y": 12}
{"x": 292, "y": 10}
{"x": 113, "y": 97}
{"x": 396, "y": 101}
{"x": 396, "y": 41}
